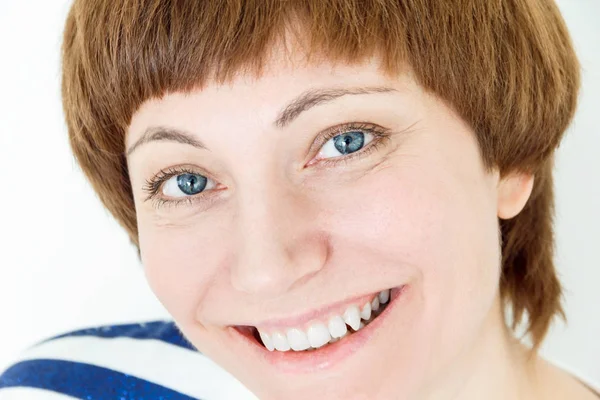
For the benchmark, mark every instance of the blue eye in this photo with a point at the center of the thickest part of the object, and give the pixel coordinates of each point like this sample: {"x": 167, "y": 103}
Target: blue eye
{"x": 345, "y": 143}
{"x": 191, "y": 184}
{"x": 186, "y": 185}
{"x": 349, "y": 142}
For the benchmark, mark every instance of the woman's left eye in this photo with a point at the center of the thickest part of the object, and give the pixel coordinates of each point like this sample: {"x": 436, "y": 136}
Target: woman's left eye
{"x": 345, "y": 143}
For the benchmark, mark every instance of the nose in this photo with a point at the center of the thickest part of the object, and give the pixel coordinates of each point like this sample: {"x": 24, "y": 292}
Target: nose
{"x": 278, "y": 243}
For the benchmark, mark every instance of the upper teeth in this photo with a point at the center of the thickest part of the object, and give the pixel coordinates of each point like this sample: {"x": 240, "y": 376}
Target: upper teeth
{"x": 318, "y": 333}
{"x": 337, "y": 327}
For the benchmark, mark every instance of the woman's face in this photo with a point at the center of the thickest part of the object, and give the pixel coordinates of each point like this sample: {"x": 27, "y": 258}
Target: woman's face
{"x": 286, "y": 204}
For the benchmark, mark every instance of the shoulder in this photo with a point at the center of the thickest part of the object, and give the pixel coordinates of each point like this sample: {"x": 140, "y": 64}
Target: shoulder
{"x": 562, "y": 382}
{"x": 590, "y": 390}
{"x": 130, "y": 361}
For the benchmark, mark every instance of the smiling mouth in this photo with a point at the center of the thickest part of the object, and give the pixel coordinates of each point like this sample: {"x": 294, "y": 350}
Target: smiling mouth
{"x": 321, "y": 333}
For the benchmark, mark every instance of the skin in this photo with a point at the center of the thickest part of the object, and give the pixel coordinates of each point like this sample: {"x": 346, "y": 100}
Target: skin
{"x": 282, "y": 233}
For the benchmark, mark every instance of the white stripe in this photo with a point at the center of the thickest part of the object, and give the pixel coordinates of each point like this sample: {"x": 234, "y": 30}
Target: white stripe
{"x": 24, "y": 393}
{"x": 162, "y": 363}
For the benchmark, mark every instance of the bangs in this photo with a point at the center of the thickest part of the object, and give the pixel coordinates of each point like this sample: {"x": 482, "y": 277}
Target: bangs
{"x": 144, "y": 49}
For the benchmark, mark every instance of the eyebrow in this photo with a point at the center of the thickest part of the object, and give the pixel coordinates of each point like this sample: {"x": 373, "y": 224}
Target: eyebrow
{"x": 312, "y": 98}
{"x": 160, "y": 133}
{"x": 297, "y": 106}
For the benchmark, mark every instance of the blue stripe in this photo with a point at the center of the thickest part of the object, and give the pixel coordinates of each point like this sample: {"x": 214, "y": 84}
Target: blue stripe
{"x": 165, "y": 331}
{"x": 85, "y": 381}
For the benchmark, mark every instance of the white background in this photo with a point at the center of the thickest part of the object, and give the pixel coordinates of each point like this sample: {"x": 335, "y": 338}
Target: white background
{"x": 65, "y": 263}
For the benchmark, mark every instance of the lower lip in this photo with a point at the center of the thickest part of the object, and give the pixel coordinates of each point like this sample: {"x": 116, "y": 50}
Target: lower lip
{"x": 329, "y": 355}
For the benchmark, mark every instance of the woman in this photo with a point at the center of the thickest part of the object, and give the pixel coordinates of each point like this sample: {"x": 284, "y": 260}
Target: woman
{"x": 336, "y": 199}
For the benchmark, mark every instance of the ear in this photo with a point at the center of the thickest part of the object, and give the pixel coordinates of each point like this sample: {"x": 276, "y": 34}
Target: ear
{"x": 513, "y": 192}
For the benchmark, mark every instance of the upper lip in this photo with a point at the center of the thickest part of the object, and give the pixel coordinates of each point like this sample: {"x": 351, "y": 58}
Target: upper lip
{"x": 315, "y": 314}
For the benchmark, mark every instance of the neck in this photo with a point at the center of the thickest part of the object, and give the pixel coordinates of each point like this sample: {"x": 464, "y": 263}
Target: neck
{"x": 498, "y": 366}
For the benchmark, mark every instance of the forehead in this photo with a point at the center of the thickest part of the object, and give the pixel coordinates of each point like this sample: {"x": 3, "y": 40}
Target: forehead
{"x": 258, "y": 97}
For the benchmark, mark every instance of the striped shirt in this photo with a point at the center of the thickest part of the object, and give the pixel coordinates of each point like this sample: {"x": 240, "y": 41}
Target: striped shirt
{"x": 142, "y": 361}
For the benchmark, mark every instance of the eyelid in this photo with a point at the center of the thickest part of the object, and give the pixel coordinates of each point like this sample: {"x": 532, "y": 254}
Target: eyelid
{"x": 380, "y": 133}
{"x": 154, "y": 185}
{"x": 345, "y": 128}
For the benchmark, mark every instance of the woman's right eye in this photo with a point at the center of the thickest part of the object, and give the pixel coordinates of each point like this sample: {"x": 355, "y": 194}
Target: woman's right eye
{"x": 187, "y": 184}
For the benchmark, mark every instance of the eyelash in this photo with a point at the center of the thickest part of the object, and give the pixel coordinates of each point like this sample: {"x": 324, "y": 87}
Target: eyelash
{"x": 154, "y": 185}
{"x": 381, "y": 135}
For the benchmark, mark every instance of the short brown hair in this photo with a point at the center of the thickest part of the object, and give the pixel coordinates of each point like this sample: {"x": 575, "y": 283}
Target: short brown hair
{"x": 507, "y": 67}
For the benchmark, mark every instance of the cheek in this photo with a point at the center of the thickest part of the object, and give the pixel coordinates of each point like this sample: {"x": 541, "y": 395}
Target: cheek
{"x": 432, "y": 224}
{"x": 179, "y": 263}
{"x": 427, "y": 218}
